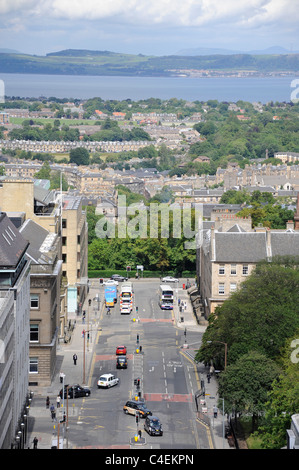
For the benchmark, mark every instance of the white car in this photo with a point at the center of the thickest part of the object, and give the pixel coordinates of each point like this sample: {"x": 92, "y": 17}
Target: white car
{"x": 107, "y": 381}
{"x": 110, "y": 282}
{"x": 125, "y": 309}
{"x": 169, "y": 279}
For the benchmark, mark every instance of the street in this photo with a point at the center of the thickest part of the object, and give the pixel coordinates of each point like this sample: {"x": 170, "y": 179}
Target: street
{"x": 168, "y": 379}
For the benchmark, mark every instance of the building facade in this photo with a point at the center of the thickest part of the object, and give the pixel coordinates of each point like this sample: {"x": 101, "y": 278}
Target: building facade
{"x": 229, "y": 250}
{"x": 46, "y": 323}
{"x": 14, "y": 332}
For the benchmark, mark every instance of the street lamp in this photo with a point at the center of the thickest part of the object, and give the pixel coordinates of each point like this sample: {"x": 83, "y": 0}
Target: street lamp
{"x": 225, "y": 351}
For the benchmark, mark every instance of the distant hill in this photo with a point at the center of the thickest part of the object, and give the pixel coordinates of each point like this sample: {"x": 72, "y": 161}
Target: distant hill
{"x": 80, "y": 53}
{"x": 9, "y": 51}
{"x": 212, "y": 51}
{"x": 86, "y": 62}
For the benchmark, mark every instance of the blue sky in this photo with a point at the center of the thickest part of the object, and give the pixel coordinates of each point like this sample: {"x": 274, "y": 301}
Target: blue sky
{"x": 150, "y": 27}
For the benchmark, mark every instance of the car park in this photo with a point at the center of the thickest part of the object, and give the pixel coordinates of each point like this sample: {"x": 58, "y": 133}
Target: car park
{"x": 132, "y": 407}
{"x": 75, "y": 391}
{"x": 121, "y": 362}
{"x": 153, "y": 426}
{"x": 121, "y": 350}
{"x": 169, "y": 279}
{"x": 107, "y": 381}
{"x": 118, "y": 277}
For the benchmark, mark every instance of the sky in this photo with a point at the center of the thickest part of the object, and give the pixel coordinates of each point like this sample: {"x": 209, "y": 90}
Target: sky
{"x": 150, "y": 27}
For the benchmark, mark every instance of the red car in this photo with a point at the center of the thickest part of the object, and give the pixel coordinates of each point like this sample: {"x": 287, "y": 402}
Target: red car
{"x": 121, "y": 350}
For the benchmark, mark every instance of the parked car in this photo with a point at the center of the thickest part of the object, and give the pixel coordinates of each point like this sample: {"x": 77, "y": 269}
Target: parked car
{"x": 118, "y": 277}
{"x": 153, "y": 426}
{"x": 110, "y": 282}
{"x": 75, "y": 391}
{"x": 169, "y": 279}
{"x": 132, "y": 407}
{"x": 121, "y": 362}
{"x": 121, "y": 351}
{"x": 107, "y": 381}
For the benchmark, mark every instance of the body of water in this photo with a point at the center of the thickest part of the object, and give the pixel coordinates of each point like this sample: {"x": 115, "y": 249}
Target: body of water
{"x": 139, "y": 88}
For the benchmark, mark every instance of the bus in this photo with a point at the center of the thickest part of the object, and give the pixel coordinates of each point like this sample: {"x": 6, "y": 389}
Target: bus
{"x": 166, "y": 297}
{"x": 110, "y": 296}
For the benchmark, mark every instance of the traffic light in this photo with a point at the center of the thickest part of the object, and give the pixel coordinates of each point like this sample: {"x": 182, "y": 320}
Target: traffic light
{"x": 137, "y": 417}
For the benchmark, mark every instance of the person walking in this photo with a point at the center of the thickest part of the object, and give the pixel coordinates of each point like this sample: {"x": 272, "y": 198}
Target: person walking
{"x": 75, "y": 357}
{"x": 35, "y": 442}
{"x": 47, "y": 402}
{"x": 53, "y": 413}
{"x": 58, "y": 401}
{"x": 215, "y": 411}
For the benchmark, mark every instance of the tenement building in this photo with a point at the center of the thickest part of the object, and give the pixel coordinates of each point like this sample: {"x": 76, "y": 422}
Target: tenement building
{"x": 46, "y": 323}
{"x": 228, "y": 251}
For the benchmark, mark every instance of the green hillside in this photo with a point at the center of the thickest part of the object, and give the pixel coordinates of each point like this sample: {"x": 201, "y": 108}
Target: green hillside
{"x": 85, "y": 62}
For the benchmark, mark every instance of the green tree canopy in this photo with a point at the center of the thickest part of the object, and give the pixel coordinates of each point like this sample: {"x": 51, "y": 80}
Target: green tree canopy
{"x": 260, "y": 316}
{"x": 245, "y": 384}
{"x": 80, "y": 156}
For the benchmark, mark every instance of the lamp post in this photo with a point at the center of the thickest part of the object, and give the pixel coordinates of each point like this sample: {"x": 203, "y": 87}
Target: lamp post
{"x": 225, "y": 351}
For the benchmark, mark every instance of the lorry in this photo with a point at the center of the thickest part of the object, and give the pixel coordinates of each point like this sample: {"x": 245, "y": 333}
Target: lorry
{"x": 110, "y": 295}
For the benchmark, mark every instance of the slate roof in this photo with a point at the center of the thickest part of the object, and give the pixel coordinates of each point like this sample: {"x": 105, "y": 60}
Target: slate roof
{"x": 240, "y": 247}
{"x": 251, "y": 247}
{"x": 12, "y": 244}
{"x": 41, "y": 241}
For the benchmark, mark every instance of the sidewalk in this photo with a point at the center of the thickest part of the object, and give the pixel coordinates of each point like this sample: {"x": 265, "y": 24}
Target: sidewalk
{"x": 205, "y": 413}
{"x": 43, "y": 427}
{"x": 40, "y": 422}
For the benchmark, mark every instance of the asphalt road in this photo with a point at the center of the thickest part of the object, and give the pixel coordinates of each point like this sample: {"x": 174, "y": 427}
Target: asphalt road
{"x": 168, "y": 380}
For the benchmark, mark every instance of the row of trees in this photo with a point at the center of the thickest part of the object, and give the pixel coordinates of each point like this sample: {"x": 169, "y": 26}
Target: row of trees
{"x": 262, "y": 207}
{"x": 155, "y": 254}
{"x": 259, "y": 324}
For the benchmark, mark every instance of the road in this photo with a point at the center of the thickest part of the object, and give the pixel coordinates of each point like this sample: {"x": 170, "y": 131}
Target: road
{"x": 167, "y": 375}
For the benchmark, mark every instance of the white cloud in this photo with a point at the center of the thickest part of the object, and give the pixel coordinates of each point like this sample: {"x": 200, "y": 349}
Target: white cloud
{"x": 168, "y": 12}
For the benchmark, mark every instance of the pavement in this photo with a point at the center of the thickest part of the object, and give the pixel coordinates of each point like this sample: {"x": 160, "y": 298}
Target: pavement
{"x": 47, "y": 431}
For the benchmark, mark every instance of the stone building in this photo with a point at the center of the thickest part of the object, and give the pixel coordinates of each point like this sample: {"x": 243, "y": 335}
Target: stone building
{"x": 46, "y": 324}
{"x": 228, "y": 251}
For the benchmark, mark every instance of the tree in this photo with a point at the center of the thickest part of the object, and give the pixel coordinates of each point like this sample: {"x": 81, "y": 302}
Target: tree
{"x": 283, "y": 400}
{"x": 80, "y": 156}
{"x": 244, "y": 385}
{"x": 259, "y": 316}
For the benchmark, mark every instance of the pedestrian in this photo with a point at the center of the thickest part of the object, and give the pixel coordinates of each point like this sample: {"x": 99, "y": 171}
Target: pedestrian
{"x": 215, "y": 411}
{"x": 53, "y": 413}
{"x": 35, "y": 441}
{"x": 209, "y": 378}
{"x": 47, "y": 402}
{"x": 75, "y": 357}
{"x": 58, "y": 401}
{"x": 61, "y": 377}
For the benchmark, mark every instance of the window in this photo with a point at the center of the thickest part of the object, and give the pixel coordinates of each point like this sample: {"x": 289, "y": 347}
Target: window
{"x": 233, "y": 269}
{"x": 221, "y": 288}
{"x": 34, "y": 301}
{"x": 245, "y": 269}
{"x": 233, "y": 286}
{"x": 63, "y": 223}
{"x": 64, "y": 257}
{"x": 33, "y": 332}
{"x": 221, "y": 269}
{"x": 33, "y": 365}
